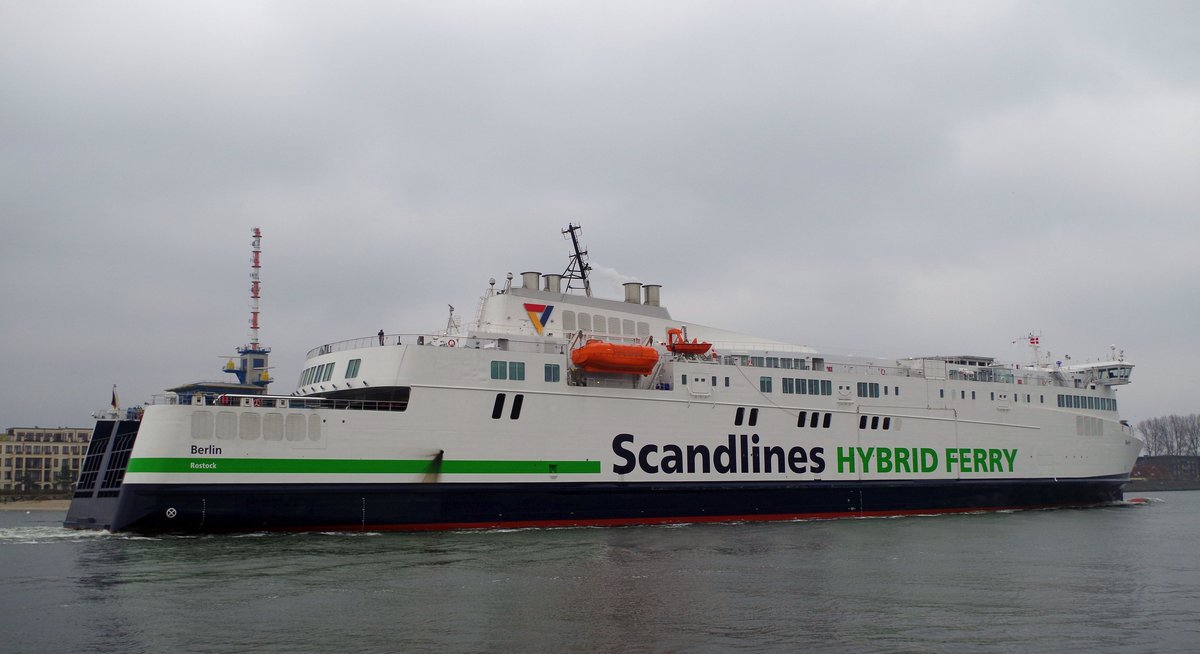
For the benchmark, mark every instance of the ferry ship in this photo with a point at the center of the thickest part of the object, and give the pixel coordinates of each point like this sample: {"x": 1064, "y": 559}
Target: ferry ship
{"x": 557, "y": 408}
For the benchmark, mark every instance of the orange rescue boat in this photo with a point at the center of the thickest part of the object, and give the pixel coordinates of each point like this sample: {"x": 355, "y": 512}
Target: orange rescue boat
{"x": 602, "y": 356}
{"x": 677, "y": 342}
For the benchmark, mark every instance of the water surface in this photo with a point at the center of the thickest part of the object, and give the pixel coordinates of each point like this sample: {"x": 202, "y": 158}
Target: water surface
{"x": 1121, "y": 578}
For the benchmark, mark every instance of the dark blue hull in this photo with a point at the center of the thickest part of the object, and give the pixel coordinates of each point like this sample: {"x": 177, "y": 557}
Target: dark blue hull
{"x": 328, "y": 507}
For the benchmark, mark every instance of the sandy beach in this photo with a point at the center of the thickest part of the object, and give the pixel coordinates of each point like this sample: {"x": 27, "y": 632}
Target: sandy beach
{"x": 35, "y": 505}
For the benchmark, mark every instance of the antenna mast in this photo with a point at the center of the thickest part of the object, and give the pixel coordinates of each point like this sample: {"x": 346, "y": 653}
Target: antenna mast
{"x": 255, "y": 266}
{"x": 254, "y": 364}
{"x": 579, "y": 267}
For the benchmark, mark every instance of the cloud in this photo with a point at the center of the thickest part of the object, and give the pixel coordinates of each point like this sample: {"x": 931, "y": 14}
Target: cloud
{"x": 894, "y": 178}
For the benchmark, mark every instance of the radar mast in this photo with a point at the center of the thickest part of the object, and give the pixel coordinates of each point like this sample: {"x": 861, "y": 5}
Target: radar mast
{"x": 579, "y": 267}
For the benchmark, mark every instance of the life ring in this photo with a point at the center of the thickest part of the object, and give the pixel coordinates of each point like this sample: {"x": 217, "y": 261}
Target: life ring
{"x": 883, "y": 371}
{"x": 450, "y": 342}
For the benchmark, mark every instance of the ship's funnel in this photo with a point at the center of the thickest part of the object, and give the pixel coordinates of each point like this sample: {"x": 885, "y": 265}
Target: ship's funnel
{"x": 553, "y": 283}
{"x": 652, "y": 294}
{"x": 530, "y": 279}
{"x": 632, "y": 291}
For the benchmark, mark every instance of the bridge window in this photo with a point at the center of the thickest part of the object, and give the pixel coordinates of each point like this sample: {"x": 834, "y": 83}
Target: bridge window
{"x": 352, "y": 368}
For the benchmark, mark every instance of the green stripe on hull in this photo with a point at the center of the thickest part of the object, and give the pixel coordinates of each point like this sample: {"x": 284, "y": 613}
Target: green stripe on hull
{"x": 362, "y": 466}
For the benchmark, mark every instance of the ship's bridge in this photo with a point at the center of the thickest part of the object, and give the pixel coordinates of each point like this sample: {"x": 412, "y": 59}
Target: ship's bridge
{"x": 1108, "y": 373}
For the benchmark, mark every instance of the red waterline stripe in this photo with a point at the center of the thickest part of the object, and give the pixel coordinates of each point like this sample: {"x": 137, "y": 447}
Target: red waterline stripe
{"x": 619, "y": 522}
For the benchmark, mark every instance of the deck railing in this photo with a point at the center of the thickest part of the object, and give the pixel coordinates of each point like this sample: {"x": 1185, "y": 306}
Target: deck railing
{"x": 739, "y": 354}
{"x": 277, "y": 401}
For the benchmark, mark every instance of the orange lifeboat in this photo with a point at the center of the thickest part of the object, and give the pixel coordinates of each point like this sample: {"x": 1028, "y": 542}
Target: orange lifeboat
{"x": 602, "y": 356}
{"x": 677, "y": 342}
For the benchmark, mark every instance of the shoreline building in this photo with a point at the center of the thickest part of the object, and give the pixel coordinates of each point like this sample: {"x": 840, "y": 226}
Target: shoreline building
{"x": 40, "y": 458}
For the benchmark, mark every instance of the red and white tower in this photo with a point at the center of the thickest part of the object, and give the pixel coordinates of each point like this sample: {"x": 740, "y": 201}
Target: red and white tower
{"x": 254, "y": 357}
{"x": 255, "y": 266}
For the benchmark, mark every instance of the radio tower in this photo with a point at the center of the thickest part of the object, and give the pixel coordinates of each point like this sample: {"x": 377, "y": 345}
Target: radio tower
{"x": 255, "y": 265}
{"x": 253, "y": 368}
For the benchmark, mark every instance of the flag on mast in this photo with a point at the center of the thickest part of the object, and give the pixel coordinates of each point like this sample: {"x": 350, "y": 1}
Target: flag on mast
{"x": 115, "y": 405}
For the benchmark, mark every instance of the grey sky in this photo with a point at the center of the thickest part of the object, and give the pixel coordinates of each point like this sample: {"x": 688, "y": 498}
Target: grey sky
{"x": 883, "y": 178}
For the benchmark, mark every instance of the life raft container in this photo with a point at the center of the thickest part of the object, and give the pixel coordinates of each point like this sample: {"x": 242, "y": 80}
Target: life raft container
{"x": 602, "y": 356}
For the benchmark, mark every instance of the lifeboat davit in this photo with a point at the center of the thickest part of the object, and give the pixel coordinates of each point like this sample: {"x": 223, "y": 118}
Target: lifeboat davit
{"x": 602, "y": 356}
{"x": 677, "y": 342}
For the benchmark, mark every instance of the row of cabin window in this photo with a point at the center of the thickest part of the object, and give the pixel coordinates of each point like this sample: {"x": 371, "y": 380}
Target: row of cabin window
{"x": 598, "y": 324}
{"x": 815, "y": 419}
{"x": 871, "y": 389}
{"x": 787, "y": 363}
{"x": 799, "y": 386}
{"x": 805, "y": 419}
{"x": 1087, "y": 402}
{"x": 740, "y": 415}
{"x": 767, "y": 362}
{"x": 1016, "y": 397}
{"x": 876, "y": 423}
{"x": 515, "y": 371}
{"x": 324, "y": 372}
